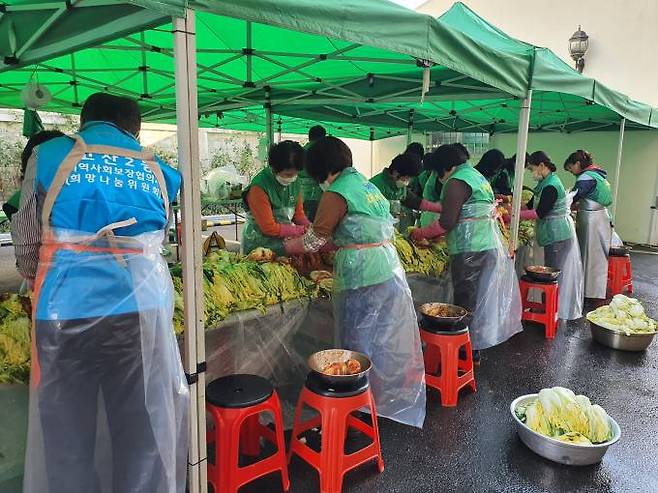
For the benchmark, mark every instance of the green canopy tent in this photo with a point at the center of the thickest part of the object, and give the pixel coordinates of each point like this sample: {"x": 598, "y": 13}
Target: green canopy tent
{"x": 362, "y": 65}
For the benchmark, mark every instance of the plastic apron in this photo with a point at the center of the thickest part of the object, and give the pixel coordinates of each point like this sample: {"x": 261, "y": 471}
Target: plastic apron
{"x": 564, "y": 254}
{"x": 497, "y": 313}
{"x": 594, "y": 235}
{"x": 108, "y": 395}
{"x": 252, "y": 236}
{"x": 379, "y": 319}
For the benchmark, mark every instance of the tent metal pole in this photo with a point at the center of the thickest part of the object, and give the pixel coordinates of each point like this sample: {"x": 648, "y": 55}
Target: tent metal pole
{"x": 250, "y": 61}
{"x": 519, "y": 168}
{"x": 372, "y": 152}
{"x": 620, "y": 149}
{"x": 410, "y": 127}
{"x": 192, "y": 259}
{"x": 269, "y": 125}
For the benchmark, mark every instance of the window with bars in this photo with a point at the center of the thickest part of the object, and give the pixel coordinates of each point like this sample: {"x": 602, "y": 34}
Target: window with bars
{"x": 476, "y": 143}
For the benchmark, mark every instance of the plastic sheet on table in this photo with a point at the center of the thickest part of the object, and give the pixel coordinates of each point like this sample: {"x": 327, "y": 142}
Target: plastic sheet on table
{"x": 274, "y": 345}
{"x": 429, "y": 289}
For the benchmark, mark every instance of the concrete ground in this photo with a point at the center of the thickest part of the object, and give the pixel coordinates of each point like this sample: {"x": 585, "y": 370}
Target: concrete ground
{"x": 474, "y": 447}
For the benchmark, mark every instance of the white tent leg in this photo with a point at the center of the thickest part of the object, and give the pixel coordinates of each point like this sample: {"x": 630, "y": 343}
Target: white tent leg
{"x": 519, "y": 168}
{"x": 410, "y": 127}
{"x": 620, "y": 147}
{"x": 372, "y": 153}
{"x": 194, "y": 355}
{"x": 269, "y": 126}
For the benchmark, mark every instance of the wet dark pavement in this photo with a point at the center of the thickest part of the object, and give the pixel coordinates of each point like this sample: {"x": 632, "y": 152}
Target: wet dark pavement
{"x": 474, "y": 447}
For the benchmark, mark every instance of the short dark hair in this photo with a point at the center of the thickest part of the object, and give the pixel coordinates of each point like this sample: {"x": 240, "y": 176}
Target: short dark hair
{"x": 34, "y": 141}
{"x": 406, "y": 165}
{"x": 447, "y": 157}
{"x": 491, "y": 162}
{"x": 584, "y": 157}
{"x": 123, "y": 112}
{"x": 316, "y": 132}
{"x": 510, "y": 164}
{"x": 539, "y": 157}
{"x": 287, "y": 154}
{"x": 415, "y": 148}
{"x": 327, "y": 156}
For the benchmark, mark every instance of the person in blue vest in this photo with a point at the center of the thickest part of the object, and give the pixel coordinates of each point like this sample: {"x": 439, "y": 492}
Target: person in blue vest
{"x": 592, "y": 195}
{"x": 109, "y": 398}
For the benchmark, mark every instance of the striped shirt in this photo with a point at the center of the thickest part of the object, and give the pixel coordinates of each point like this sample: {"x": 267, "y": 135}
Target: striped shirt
{"x": 26, "y": 225}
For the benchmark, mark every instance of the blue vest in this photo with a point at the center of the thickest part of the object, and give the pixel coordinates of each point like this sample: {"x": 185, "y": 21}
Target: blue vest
{"x": 101, "y": 189}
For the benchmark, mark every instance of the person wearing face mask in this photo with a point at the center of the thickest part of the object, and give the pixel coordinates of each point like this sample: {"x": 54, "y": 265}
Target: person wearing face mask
{"x": 593, "y": 195}
{"x": 274, "y": 201}
{"x": 556, "y": 233}
{"x": 393, "y": 182}
{"x": 483, "y": 276}
{"x": 373, "y": 309}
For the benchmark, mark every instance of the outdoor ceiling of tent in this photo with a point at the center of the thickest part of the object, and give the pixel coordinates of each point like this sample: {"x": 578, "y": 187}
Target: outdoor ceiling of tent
{"x": 309, "y": 76}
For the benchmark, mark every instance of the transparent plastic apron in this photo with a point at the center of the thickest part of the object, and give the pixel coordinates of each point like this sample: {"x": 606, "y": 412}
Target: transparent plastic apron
{"x": 497, "y": 313}
{"x": 564, "y": 254}
{"x": 73, "y": 407}
{"x": 380, "y": 321}
{"x": 594, "y": 234}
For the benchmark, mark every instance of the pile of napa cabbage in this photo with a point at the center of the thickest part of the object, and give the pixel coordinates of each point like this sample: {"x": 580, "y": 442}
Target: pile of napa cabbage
{"x": 560, "y": 414}
{"x": 625, "y": 315}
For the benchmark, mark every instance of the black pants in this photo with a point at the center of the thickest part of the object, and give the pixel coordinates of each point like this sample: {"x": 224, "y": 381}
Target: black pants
{"x": 467, "y": 270}
{"x": 84, "y": 363}
{"x": 554, "y": 254}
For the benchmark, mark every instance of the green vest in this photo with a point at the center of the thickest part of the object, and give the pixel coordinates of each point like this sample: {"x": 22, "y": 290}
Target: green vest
{"x": 395, "y": 196}
{"x": 429, "y": 193}
{"x": 602, "y": 192}
{"x": 311, "y": 191}
{"x": 555, "y": 226}
{"x": 476, "y": 227}
{"x": 367, "y": 221}
{"x": 283, "y": 201}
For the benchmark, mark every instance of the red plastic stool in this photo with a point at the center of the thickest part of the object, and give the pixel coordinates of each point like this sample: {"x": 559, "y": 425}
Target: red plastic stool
{"x": 546, "y": 312}
{"x": 620, "y": 275}
{"x": 335, "y": 408}
{"x": 445, "y": 371}
{"x": 235, "y": 403}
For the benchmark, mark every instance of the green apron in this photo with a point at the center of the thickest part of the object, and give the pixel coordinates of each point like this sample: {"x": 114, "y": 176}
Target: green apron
{"x": 429, "y": 193}
{"x": 283, "y": 201}
{"x": 476, "y": 228}
{"x": 395, "y": 196}
{"x": 367, "y": 222}
{"x": 555, "y": 226}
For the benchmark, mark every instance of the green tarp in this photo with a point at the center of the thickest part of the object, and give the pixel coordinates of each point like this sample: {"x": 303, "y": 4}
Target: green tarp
{"x": 353, "y": 64}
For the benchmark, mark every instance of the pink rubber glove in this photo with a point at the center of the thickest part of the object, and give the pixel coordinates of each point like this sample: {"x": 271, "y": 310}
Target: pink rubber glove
{"x": 426, "y": 205}
{"x": 294, "y": 246}
{"x": 431, "y": 231}
{"x": 303, "y": 222}
{"x": 291, "y": 230}
{"x": 529, "y": 214}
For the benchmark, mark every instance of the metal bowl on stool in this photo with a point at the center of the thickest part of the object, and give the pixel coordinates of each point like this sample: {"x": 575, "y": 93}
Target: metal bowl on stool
{"x": 619, "y": 340}
{"x": 541, "y": 273}
{"x": 555, "y": 450}
{"x": 453, "y": 322}
{"x": 320, "y": 360}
